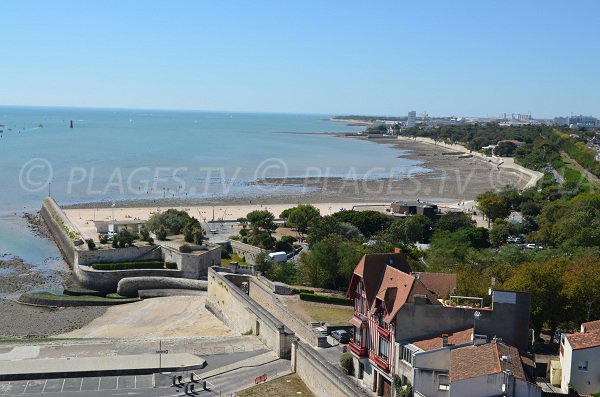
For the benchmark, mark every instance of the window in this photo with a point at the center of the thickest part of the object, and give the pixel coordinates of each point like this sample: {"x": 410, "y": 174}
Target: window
{"x": 582, "y": 366}
{"x": 444, "y": 382}
{"x": 380, "y": 318}
{"x": 406, "y": 354}
{"x": 384, "y": 348}
{"x": 362, "y": 305}
{"x": 357, "y": 335}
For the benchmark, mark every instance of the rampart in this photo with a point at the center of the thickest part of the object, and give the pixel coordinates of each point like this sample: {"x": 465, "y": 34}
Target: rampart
{"x": 242, "y": 314}
{"x": 247, "y": 251}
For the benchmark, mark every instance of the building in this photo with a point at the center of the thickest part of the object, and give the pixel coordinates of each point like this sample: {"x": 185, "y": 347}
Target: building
{"x": 417, "y": 207}
{"x": 490, "y": 369}
{"x": 412, "y": 119}
{"x": 580, "y": 359}
{"x": 394, "y": 308}
{"x": 577, "y": 121}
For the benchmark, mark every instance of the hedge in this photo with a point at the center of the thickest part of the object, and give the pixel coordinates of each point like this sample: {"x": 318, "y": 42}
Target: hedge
{"x": 134, "y": 265}
{"x": 301, "y": 290}
{"x": 335, "y": 300}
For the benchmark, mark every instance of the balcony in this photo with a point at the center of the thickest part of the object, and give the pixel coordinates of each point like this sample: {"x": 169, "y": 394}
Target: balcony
{"x": 360, "y": 351}
{"x": 380, "y": 362}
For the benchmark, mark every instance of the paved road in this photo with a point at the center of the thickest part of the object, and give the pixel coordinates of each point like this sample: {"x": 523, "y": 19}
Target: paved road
{"x": 231, "y": 378}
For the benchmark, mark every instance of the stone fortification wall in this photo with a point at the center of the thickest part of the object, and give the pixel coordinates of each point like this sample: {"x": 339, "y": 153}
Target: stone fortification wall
{"x": 107, "y": 280}
{"x": 247, "y": 251}
{"x": 243, "y": 315}
{"x": 56, "y": 221}
{"x": 193, "y": 265}
{"x": 130, "y": 286}
{"x": 321, "y": 377}
{"x": 261, "y": 294}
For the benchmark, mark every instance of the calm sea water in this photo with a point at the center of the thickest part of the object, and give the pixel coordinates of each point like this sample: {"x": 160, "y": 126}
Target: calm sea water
{"x": 122, "y": 154}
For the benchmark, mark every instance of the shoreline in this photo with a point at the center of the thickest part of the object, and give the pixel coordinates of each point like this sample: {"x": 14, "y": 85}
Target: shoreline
{"x": 449, "y": 179}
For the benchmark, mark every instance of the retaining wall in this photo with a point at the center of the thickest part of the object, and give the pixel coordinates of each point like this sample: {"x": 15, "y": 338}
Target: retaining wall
{"x": 321, "y": 377}
{"x": 243, "y": 315}
{"x": 249, "y": 252}
{"x": 260, "y": 293}
{"x": 130, "y": 286}
{"x": 107, "y": 280}
{"x": 49, "y": 211}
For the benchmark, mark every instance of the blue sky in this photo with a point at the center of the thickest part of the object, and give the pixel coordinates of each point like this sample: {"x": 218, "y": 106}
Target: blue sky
{"x": 459, "y": 57}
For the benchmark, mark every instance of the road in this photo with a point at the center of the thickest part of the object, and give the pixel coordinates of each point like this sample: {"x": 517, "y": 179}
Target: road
{"x": 226, "y": 373}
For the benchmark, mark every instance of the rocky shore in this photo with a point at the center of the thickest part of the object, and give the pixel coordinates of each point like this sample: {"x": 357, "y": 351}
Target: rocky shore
{"x": 17, "y": 276}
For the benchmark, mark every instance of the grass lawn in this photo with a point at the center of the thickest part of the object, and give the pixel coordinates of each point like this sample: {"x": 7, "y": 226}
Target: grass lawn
{"x": 332, "y": 314}
{"x": 286, "y": 386}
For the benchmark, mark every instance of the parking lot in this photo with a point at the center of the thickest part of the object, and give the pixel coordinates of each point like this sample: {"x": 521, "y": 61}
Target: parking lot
{"x": 76, "y": 384}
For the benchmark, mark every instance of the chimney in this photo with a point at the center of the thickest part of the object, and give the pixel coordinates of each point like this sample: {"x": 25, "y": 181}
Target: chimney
{"x": 444, "y": 340}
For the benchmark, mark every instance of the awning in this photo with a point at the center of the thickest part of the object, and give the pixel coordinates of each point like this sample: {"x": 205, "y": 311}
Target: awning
{"x": 357, "y": 322}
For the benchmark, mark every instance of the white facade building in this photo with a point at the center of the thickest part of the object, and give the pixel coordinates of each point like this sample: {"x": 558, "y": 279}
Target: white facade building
{"x": 580, "y": 359}
{"x": 412, "y": 119}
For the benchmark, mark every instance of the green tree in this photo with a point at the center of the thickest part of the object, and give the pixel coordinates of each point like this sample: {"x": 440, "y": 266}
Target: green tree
{"x": 172, "y": 220}
{"x": 161, "y": 233}
{"x": 493, "y": 206}
{"x": 545, "y": 283}
{"x": 499, "y": 233}
{"x": 368, "y": 222}
{"x": 454, "y": 221}
{"x": 301, "y": 217}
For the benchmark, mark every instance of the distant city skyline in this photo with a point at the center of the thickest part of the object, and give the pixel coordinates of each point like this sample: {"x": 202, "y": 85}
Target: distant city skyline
{"x": 470, "y": 59}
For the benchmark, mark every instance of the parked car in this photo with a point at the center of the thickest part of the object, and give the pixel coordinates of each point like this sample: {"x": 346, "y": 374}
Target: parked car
{"x": 341, "y": 335}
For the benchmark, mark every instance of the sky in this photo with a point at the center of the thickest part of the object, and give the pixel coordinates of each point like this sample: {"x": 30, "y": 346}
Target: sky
{"x": 459, "y": 57}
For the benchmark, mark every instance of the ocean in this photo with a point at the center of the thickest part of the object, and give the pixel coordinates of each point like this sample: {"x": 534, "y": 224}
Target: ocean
{"x": 117, "y": 154}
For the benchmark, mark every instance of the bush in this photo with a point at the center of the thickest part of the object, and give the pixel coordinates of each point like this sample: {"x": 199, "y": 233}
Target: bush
{"x": 347, "y": 363}
{"x": 115, "y": 242}
{"x": 90, "y": 243}
{"x": 172, "y": 220}
{"x": 185, "y": 248}
{"x": 335, "y": 300}
{"x": 144, "y": 233}
{"x": 161, "y": 233}
{"x": 103, "y": 239}
{"x": 134, "y": 265}
{"x": 302, "y": 290}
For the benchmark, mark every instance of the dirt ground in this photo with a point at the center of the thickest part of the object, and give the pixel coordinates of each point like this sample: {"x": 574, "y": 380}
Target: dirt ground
{"x": 176, "y": 316}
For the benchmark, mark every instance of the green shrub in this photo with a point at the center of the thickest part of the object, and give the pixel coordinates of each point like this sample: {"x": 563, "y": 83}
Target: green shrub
{"x": 302, "y": 290}
{"x": 185, "y": 248}
{"x": 134, "y": 265}
{"x": 90, "y": 243}
{"x": 347, "y": 363}
{"x": 103, "y": 238}
{"x": 335, "y": 300}
{"x": 161, "y": 233}
{"x": 115, "y": 242}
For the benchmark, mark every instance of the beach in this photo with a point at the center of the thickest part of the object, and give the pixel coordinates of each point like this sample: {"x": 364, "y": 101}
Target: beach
{"x": 452, "y": 182}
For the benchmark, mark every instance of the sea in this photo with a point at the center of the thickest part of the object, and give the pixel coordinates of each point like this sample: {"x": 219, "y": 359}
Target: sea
{"x": 104, "y": 155}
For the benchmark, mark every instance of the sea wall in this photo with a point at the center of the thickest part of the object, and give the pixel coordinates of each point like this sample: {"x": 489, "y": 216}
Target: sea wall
{"x": 247, "y": 251}
{"x": 321, "y": 377}
{"x": 243, "y": 315}
{"x": 56, "y": 221}
{"x": 267, "y": 299}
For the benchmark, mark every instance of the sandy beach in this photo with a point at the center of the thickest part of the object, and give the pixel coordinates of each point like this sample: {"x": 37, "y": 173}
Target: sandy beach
{"x": 451, "y": 179}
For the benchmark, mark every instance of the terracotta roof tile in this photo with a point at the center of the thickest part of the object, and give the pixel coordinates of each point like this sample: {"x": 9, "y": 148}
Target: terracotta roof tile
{"x": 371, "y": 268}
{"x": 590, "y": 326}
{"x": 454, "y": 338}
{"x": 581, "y": 340}
{"x": 482, "y": 360}
{"x": 442, "y": 284}
{"x": 394, "y": 291}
